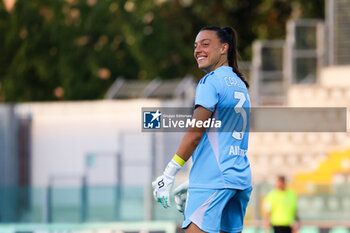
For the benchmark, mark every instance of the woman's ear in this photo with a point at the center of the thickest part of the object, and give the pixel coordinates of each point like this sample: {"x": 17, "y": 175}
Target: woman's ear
{"x": 224, "y": 48}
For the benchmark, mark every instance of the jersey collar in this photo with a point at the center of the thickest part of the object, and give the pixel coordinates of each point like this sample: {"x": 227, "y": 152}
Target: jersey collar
{"x": 228, "y": 68}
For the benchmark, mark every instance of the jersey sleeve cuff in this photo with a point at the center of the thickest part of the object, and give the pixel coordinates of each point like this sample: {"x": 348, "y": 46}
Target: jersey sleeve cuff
{"x": 212, "y": 109}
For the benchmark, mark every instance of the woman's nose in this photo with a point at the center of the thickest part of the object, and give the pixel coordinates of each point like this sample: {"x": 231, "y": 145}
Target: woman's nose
{"x": 197, "y": 49}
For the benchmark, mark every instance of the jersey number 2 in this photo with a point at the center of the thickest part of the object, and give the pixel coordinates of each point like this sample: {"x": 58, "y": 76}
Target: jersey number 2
{"x": 240, "y": 110}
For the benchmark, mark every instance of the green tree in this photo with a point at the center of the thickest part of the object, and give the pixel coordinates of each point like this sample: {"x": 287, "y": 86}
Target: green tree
{"x": 74, "y": 49}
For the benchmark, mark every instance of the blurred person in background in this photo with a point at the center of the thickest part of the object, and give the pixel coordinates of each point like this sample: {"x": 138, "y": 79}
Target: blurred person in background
{"x": 280, "y": 208}
{"x": 220, "y": 179}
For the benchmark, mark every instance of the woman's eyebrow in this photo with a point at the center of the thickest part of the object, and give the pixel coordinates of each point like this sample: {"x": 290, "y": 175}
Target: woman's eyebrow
{"x": 201, "y": 41}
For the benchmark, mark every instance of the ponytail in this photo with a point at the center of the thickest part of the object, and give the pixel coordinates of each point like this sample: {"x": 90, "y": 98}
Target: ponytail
{"x": 228, "y": 35}
{"x": 232, "y": 53}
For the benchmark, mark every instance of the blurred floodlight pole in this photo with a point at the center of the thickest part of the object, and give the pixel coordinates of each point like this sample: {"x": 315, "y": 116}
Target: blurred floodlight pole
{"x": 9, "y": 4}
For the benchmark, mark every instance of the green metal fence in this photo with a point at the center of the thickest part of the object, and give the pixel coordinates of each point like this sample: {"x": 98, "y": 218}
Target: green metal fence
{"x": 130, "y": 203}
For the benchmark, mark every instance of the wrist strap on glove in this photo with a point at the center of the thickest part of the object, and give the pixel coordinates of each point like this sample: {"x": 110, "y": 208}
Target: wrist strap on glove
{"x": 179, "y": 160}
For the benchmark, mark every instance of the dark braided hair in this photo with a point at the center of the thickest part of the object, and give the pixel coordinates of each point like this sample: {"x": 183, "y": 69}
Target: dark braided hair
{"x": 228, "y": 35}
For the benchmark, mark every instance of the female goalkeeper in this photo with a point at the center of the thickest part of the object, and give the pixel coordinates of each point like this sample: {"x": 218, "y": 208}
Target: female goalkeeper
{"x": 220, "y": 178}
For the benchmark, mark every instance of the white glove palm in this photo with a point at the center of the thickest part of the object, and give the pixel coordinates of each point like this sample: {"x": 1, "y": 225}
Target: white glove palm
{"x": 162, "y": 186}
{"x": 180, "y": 196}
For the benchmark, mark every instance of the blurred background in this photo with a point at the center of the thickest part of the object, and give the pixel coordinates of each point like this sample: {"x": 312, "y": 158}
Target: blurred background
{"x": 74, "y": 75}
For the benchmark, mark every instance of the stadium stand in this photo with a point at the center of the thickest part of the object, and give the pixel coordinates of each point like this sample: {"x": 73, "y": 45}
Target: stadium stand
{"x": 156, "y": 89}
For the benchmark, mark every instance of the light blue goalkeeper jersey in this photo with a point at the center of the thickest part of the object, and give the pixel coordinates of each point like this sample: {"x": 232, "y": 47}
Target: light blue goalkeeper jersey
{"x": 220, "y": 160}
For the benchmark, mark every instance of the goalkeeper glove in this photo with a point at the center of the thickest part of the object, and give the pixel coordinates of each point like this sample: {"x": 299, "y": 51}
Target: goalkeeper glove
{"x": 163, "y": 183}
{"x": 180, "y": 196}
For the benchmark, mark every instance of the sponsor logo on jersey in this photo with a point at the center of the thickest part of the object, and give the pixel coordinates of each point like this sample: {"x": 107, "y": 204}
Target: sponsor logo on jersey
{"x": 236, "y": 150}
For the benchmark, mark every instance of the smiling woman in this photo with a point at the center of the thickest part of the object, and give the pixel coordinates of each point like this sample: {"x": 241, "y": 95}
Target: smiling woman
{"x": 215, "y": 47}
{"x": 208, "y": 52}
{"x": 217, "y": 198}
